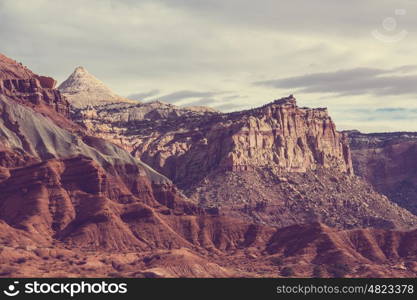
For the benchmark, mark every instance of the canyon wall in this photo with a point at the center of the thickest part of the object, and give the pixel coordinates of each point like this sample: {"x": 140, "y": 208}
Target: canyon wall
{"x": 187, "y": 147}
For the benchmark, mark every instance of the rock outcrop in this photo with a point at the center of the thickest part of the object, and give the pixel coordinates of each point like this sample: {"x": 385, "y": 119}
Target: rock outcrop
{"x": 283, "y": 199}
{"x": 21, "y": 84}
{"x": 118, "y": 122}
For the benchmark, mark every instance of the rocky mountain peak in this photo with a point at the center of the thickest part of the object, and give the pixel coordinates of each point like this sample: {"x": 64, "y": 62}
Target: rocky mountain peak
{"x": 80, "y": 69}
{"x": 286, "y": 100}
{"x": 81, "y": 80}
{"x": 84, "y": 89}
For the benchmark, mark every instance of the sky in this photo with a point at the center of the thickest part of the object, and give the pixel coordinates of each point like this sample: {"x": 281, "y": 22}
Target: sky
{"x": 357, "y": 57}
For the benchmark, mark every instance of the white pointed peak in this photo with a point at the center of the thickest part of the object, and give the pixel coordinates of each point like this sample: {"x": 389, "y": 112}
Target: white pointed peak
{"x": 83, "y": 89}
{"x": 80, "y": 69}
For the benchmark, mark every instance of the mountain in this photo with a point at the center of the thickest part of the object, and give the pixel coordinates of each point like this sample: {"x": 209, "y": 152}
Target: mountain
{"x": 74, "y": 204}
{"x": 278, "y": 164}
{"x": 388, "y": 162}
{"x": 83, "y": 89}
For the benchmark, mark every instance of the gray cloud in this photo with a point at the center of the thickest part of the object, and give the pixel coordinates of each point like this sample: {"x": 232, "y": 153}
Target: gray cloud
{"x": 223, "y": 103}
{"x": 143, "y": 96}
{"x": 350, "y": 17}
{"x": 393, "y": 109}
{"x": 385, "y": 113}
{"x": 217, "y": 45}
{"x": 153, "y": 38}
{"x": 356, "y": 81}
{"x": 181, "y": 95}
{"x": 231, "y": 106}
{"x": 202, "y": 102}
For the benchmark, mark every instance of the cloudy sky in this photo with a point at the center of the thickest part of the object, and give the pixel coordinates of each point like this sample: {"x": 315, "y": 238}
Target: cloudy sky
{"x": 357, "y": 57}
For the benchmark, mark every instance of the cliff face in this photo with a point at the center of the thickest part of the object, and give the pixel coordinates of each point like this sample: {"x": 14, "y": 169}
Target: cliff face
{"x": 186, "y": 148}
{"x": 291, "y": 138}
{"x": 27, "y": 88}
{"x": 388, "y": 162}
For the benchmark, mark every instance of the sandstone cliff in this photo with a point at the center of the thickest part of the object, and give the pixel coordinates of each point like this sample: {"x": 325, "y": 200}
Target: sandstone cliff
{"x": 27, "y": 88}
{"x": 186, "y": 146}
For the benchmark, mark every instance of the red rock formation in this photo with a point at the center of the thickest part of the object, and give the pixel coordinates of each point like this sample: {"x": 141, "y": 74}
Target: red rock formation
{"x": 21, "y": 84}
{"x": 339, "y": 253}
{"x": 295, "y": 139}
{"x": 308, "y": 250}
{"x": 47, "y": 82}
{"x": 279, "y": 135}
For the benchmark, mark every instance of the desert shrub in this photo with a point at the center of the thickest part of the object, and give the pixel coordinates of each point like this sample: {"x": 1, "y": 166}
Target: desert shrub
{"x": 318, "y": 272}
{"x": 21, "y": 260}
{"x": 277, "y": 261}
{"x": 261, "y": 206}
{"x": 287, "y": 272}
{"x": 339, "y": 270}
{"x": 8, "y": 271}
{"x": 114, "y": 275}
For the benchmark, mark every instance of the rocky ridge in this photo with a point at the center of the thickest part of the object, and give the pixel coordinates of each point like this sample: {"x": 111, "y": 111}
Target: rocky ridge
{"x": 60, "y": 184}
{"x": 27, "y": 88}
{"x": 307, "y": 250}
{"x": 114, "y": 121}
